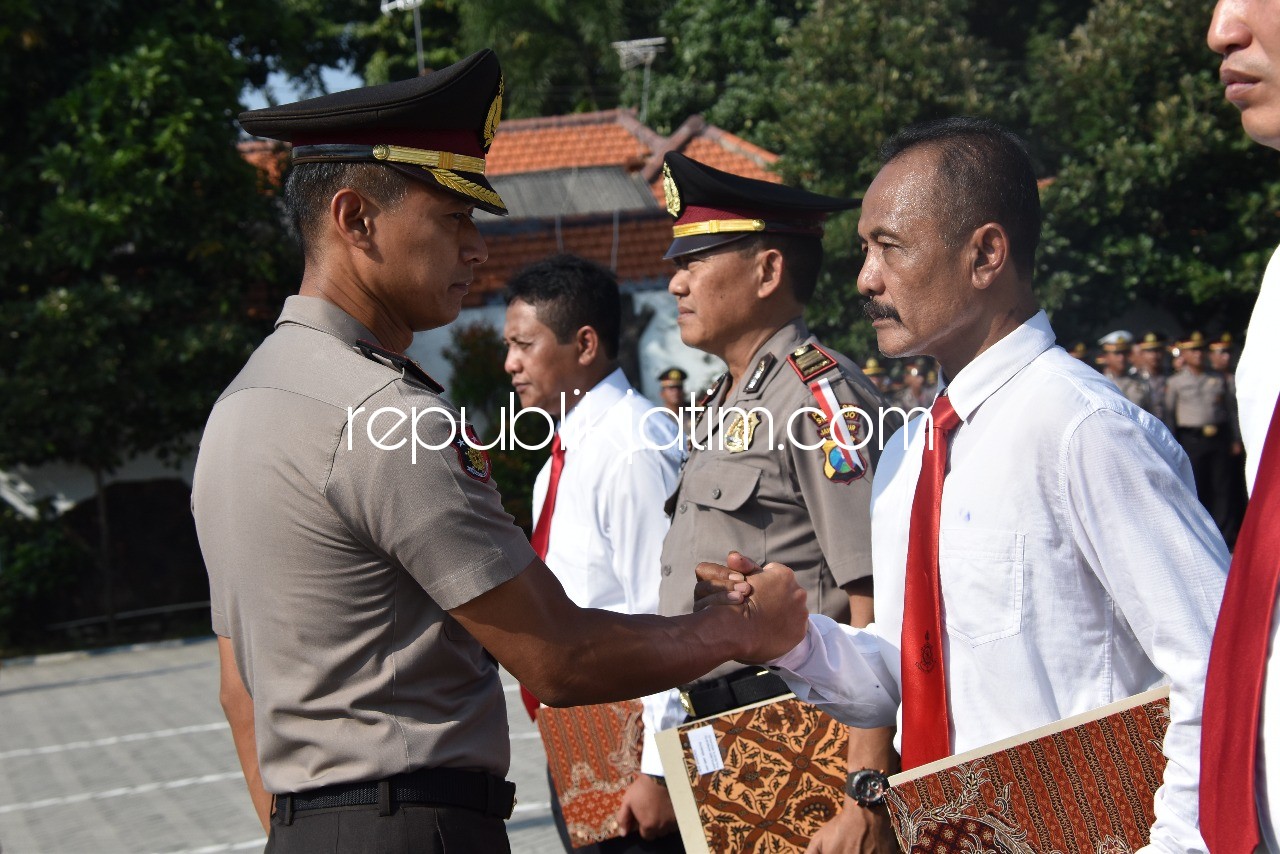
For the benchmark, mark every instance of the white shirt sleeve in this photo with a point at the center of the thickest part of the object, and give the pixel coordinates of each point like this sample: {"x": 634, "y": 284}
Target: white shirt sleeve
{"x": 661, "y": 711}
{"x": 633, "y": 517}
{"x": 841, "y": 670}
{"x": 1165, "y": 569}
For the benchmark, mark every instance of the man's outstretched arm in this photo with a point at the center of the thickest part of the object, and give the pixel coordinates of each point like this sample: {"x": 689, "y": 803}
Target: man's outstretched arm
{"x": 570, "y": 656}
{"x": 238, "y": 707}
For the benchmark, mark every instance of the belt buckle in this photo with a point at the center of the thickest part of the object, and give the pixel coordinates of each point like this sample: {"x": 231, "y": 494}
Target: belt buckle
{"x": 688, "y": 704}
{"x": 1209, "y": 430}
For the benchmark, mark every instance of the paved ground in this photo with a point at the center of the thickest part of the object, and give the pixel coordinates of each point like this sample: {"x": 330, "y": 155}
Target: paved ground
{"x": 128, "y": 752}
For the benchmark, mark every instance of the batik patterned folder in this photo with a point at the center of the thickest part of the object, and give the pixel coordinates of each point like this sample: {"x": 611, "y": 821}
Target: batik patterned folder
{"x": 1085, "y": 785}
{"x": 784, "y": 768}
{"x": 594, "y": 755}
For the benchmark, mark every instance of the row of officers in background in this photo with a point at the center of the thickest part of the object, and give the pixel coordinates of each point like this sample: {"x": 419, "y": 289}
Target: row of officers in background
{"x": 1187, "y": 383}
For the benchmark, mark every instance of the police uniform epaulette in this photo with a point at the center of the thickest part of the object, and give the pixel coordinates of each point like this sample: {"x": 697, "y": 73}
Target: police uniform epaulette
{"x": 401, "y": 363}
{"x": 809, "y": 361}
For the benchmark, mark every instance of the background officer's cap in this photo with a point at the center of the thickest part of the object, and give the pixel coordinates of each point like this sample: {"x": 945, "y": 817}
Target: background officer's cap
{"x": 713, "y": 207}
{"x": 1080, "y": 350}
{"x": 1151, "y": 341}
{"x": 1223, "y": 343}
{"x": 672, "y": 376}
{"x": 872, "y": 367}
{"x": 1116, "y": 342}
{"x": 435, "y": 129}
{"x": 1194, "y": 342}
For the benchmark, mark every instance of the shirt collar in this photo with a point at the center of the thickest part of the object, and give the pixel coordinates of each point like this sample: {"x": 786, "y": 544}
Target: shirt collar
{"x": 780, "y": 345}
{"x": 998, "y": 364}
{"x": 323, "y": 316}
{"x": 592, "y": 406}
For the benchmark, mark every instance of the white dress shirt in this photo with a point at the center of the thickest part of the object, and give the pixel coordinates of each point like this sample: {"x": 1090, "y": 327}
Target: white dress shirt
{"x": 608, "y": 525}
{"x": 1257, "y": 386}
{"x": 1077, "y": 567}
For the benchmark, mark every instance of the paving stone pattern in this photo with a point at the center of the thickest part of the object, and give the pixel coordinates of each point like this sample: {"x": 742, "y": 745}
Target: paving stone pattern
{"x": 127, "y": 751}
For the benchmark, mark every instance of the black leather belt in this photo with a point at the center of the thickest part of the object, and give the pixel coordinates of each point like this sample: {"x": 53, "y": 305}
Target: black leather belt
{"x": 447, "y": 787}
{"x": 740, "y": 688}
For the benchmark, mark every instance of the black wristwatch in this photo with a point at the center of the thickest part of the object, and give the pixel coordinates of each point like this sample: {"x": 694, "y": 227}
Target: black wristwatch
{"x": 867, "y": 787}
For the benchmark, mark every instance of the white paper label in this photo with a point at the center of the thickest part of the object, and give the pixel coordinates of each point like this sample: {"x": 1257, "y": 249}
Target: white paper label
{"x": 706, "y": 753}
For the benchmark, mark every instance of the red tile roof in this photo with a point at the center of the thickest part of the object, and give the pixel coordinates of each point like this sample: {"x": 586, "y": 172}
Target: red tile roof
{"x": 606, "y": 138}
{"x": 641, "y": 240}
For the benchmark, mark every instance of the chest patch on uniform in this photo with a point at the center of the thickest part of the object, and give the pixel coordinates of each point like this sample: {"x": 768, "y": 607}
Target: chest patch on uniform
{"x": 839, "y": 427}
{"x": 809, "y": 361}
{"x": 737, "y": 437}
{"x": 760, "y": 373}
{"x": 475, "y": 461}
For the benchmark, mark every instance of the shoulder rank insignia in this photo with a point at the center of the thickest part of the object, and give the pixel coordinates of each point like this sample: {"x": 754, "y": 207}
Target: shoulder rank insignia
{"x": 403, "y": 364}
{"x": 760, "y": 373}
{"x": 809, "y": 361}
{"x": 475, "y": 461}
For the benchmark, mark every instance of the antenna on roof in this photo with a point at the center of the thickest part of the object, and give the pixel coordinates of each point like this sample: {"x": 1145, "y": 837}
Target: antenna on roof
{"x": 640, "y": 52}
{"x": 389, "y": 6}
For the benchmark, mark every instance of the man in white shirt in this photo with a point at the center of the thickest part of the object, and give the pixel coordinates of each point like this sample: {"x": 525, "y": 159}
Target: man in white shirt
{"x": 1076, "y": 566}
{"x": 621, "y": 451}
{"x": 1239, "y": 798}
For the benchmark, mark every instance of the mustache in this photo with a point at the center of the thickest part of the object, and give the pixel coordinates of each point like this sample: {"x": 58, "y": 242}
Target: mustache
{"x": 879, "y": 311}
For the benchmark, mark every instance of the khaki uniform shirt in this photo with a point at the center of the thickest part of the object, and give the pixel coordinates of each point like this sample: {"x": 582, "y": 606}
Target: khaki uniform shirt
{"x": 1196, "y": 400}
{"x": 739, "y": 490}
{"x": 1134, "y": 388}
{"x": 332, "y": 563}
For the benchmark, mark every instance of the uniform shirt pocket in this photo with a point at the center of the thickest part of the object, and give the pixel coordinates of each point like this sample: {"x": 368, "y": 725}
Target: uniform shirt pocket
{"x": 982, "y": 581}
{"x": 722, "y": 486}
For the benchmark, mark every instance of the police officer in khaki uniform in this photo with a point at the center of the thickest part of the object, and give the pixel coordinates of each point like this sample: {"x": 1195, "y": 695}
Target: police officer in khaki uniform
{"x": 1220, "y": 356}
{"x": 360, "y": 562}
{"x": 1114, "y": 360}
{"x": 1147, "y": 356}
{"x": 875, "y": 372}
{"x": 780, "y": 462}
{"x": 1198, "y": 412}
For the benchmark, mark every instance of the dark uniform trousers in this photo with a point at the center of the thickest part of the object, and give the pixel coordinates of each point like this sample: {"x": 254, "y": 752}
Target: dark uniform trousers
{"x": 1211, "y": 464}
{"x": 408, "y": 829}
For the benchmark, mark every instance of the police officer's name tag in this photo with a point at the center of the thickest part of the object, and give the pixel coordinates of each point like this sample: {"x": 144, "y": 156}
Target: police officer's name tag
{"x": 706, "y": 753}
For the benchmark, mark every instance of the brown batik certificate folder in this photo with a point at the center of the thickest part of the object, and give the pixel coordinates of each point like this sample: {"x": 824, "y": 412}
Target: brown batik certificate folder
{"x": 1083, "y": 784}
{"x": 761, "y": 778}
{"x": 593, "y": 753}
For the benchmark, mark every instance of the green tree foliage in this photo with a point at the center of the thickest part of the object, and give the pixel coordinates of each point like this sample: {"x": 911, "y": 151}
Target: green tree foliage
{"x": 723, "y": 59}
{"x": 133, "y": 235}
{"x": 856, "y": 73}
{"x": 556, "y": 54}
{"x": 1157, "y": 196}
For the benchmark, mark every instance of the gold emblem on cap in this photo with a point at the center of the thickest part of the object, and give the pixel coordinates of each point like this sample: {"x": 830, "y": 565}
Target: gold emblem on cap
{"x": 671, "y": 191}
{"x": 495, "y": 115}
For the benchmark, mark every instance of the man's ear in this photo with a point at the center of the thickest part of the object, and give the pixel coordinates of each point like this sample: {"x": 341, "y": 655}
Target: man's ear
{"x": 772, "y": 267}
{"x": 587, "y": 341}
{"x": 989, "y": 252}
{"x": 352, "y": 216}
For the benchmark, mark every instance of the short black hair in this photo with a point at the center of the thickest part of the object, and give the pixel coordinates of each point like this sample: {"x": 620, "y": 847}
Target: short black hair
{"x": 802, "y": 259}
{"x": 568, "y": 293}
{"x": 985, "y": 175}
{"x": 310, "y": 187}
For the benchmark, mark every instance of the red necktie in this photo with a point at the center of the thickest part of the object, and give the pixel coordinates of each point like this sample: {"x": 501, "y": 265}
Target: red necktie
{"x": 926, "y": 733}
{"x": 542, "y": 536}
{"x": 1238, "y": 665}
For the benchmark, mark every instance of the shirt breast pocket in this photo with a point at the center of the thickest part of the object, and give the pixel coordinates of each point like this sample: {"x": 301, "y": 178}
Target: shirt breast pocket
{"x": 982, "y": 583}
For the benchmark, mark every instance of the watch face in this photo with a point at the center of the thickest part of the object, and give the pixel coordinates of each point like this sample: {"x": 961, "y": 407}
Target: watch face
{"x": 867, "y": 787}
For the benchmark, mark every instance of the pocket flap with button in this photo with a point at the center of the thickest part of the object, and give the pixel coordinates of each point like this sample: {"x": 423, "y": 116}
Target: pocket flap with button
{"x": 721, "y": 485}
